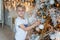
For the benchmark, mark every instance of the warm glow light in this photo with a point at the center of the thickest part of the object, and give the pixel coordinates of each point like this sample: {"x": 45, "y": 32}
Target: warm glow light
{"x": 57, "y": 5}
{"x": 27, "y": 9}
{"x": 32, "y": 0}
{"x": 14, "y": 3}
{"x": 28, "y": 6}
{"x": 26, "y": 3}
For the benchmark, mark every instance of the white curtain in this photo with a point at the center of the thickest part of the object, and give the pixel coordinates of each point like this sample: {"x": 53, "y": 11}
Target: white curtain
{"x": 0, "y": 8}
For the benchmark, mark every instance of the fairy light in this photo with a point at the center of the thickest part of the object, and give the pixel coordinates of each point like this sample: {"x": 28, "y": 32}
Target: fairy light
{"x": 57, "y": 5}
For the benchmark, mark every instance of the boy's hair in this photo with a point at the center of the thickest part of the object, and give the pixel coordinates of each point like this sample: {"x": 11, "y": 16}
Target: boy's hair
{"x": 23, "y": 7}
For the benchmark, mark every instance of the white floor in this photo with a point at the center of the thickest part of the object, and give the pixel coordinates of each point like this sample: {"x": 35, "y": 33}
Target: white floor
{"x": 6, "y": 34}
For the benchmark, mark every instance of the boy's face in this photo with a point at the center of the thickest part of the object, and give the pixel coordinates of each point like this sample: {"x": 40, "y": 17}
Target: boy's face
{"x": 20, "y": 11}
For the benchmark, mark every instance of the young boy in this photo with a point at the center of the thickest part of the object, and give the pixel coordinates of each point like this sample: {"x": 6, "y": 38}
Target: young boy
{"x": 21, "y": 24}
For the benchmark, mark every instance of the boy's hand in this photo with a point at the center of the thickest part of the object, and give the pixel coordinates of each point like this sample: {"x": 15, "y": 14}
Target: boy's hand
{"x": 38, "y": 22}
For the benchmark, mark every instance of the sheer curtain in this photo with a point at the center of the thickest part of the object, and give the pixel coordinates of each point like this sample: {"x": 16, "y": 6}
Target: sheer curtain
{"x": 0, "y": 9}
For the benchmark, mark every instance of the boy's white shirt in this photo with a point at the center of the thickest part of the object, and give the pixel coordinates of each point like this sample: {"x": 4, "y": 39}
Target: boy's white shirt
{"x": 20, "y": 33}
